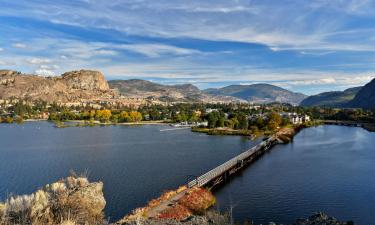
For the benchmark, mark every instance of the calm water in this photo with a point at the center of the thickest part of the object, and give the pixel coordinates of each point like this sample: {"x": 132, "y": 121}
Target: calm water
{"x": 135, "y": 163}
{"x": 328, "y": 168}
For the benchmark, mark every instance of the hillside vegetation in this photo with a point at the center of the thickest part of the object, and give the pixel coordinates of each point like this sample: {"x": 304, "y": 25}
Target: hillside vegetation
{"x": 332, "y": 98}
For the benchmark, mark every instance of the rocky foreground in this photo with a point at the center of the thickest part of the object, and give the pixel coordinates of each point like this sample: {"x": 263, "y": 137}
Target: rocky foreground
{"x": 213, "y": 218}
{"x": 70, "y": 201}
{"x": 76, "y": 201}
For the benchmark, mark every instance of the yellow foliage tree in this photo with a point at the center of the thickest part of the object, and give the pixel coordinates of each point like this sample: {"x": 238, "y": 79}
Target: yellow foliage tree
{"x": 135, "y": 116}
{"x": 103, "y": 115}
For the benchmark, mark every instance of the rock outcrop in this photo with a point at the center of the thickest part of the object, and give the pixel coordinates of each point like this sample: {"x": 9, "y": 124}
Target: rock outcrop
{"x": 209, "y": 218}
{"x": 215, "y": 218}
{"x": 76, "y": 86}
{"x": 321, "y": 218}
{"x": 86, "y": 80}
{"x": 73, "y": 200}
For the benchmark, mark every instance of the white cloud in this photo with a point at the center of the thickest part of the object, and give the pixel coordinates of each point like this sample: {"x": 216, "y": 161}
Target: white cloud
{"x": 50, "y": 67}
{"x": 38, "y": 60}
{"x": 156, "y": 50}
{"x": 297, "y": 25}
{"x": 78, "y": 49}
{"x": 19, "y": 45}
{"x": 1, "y": 49}
{"x": 44, "y": 72}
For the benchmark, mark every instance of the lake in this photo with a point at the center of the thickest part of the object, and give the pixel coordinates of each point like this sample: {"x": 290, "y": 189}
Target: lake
{"x": 328, "y": 168}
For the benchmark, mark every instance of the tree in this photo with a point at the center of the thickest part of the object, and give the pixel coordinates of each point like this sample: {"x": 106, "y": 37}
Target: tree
{"x": 154, "y": 114}
{"x": 135, "y": 116}
{"x": 19, "y": 120}
{"x": 103, "y": 115}
{"x": 285, "y": 121}
{"x": 228, "y": 123}
{"x": 234, "y": 122}
{"x": 272, "y": 125}
{"x": 243, "y": 122}
{"x": 194, "y": 117}
{"x": 9, "y": 119}
{"x": 260, "y": 122}
{"x": 220, "y": 122}
{"x": 124, "y": 117}
{"x": 275, "y": 117}
{"x": 212, "y": 119}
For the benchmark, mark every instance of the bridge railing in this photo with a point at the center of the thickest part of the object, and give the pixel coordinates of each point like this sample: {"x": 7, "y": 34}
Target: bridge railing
{"x": 207, "y": 177}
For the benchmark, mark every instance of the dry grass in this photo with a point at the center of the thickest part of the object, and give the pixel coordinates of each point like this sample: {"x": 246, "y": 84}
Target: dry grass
{"x": 195, "y": 201}
{"x": 198, "y": 200}
{"x": 175, "y": 212}
{"x": 73, "y": 197}
{"x": 141, "y": 212}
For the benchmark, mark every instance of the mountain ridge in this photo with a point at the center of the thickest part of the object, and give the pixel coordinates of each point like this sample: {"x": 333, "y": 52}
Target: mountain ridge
{"x": 168, "y": 93}
{"x": 259, "y": 93}
{"x": 365, "y": 98}
{"x": 332, "y": 98}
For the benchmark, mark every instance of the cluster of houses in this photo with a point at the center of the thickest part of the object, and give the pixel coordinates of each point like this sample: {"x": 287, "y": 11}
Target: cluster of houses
{"x": 295, "y": 118}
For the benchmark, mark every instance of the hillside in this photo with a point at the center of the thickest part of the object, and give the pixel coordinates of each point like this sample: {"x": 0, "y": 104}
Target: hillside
{"x": 259, "y": 93}
{"x": 167, "y": 93}
{"x": 365, "y": 98}
{"x": 332, "y": 98}
{"x": 90, "y": 86}
{"x": 75, "y": 86}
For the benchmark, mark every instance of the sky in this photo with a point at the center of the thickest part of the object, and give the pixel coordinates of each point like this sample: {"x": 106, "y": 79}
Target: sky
{"x": 307, "y": 46}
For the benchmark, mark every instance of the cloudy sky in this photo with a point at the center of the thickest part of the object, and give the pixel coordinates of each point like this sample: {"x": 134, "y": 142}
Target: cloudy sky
{"x": 303, "y": 45}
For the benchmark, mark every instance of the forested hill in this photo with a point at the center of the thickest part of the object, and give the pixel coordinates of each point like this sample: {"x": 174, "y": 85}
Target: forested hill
{"x": 332, "y": 98}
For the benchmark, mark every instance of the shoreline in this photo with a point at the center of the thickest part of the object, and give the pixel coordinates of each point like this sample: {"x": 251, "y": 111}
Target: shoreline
{"x": 365, "y": 125}
{"x": 85, "y": 123}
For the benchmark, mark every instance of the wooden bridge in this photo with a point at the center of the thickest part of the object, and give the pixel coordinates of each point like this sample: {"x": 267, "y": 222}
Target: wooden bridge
{"x": 344, "y": 123}
{"x": 221, "y": 173}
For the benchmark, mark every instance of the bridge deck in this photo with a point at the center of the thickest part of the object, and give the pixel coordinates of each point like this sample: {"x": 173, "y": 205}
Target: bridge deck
{"x": 212, "y": 174}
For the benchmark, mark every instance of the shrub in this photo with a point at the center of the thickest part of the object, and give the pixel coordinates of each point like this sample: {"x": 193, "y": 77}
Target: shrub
{"x": 73, "y": 197}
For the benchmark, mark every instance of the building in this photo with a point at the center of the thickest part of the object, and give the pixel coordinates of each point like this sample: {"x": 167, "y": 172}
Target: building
{"x": 299, "y": 119}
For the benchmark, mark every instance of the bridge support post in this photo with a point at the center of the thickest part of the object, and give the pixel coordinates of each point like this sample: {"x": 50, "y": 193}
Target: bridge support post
{"x": 226, "y": 176}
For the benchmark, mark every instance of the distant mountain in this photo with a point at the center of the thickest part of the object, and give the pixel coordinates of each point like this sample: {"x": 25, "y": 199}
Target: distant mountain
{"x": 365, "y": 98}
{"x": 259, "y": 93}
{"x": 147, "y": 89}
{"x": 332, "y": 98}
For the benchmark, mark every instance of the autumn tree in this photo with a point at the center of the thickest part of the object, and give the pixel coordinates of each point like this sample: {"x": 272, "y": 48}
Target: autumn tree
{"x": 135, "y": 116}
{"x": 274, "y": 121}
{"x": 103, "y": 115}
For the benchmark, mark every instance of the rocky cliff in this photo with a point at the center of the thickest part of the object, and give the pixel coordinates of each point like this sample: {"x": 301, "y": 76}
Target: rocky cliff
{"x": 70, "y": 87}
{"x": 86, "y": 80}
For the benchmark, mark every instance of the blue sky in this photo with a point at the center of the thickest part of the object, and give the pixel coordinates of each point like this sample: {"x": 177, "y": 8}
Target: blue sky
{"x": 302, "y": 45}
